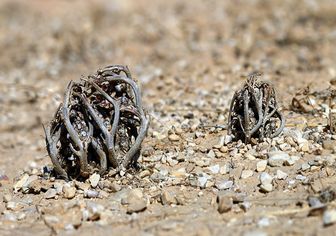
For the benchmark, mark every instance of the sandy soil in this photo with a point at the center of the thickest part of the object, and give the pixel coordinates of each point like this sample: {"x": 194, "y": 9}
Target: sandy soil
{"x": 188, "y": 57}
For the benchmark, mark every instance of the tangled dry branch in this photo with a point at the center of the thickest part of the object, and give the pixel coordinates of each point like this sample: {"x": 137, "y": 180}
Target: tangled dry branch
{"x": 254, "y": 111}
{"x": 99, "y": 126}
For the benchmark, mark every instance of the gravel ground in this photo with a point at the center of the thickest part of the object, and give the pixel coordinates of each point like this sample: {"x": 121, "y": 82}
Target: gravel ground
{"x": 188, "y": 57}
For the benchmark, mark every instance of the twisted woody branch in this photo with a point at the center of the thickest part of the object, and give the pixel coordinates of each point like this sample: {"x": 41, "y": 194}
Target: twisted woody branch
{"x": 99, "y": 126}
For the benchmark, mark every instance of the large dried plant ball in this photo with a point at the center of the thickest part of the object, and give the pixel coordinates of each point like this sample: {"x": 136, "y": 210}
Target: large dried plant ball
{"x": 100, "y": 125}
{"x": 254, "y": 111}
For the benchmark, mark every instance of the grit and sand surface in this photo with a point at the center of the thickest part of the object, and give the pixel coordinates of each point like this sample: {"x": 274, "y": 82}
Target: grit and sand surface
{"x": 188, "y": 57}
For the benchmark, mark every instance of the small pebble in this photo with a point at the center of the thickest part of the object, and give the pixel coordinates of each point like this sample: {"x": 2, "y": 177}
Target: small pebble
{"x": 11, "y": 206}
{"x": 329, "y": 217}
{"x": 225, "y": 203}
{"x": 168, "y": 198}
{"x": 174, "y": 137}
{"x": 69, "y": 192}
{"x": 277, "y": 158}
{"x": 246, "y": 174}
{"x": 94, "y": 180}
{"x": 214, "y": 169}
{"x": 281, "y": 175}
{"x": 91, "y": 193}
{"x": 264, "y": 222}
{"x": 222, "y": 185}
{"x": 261, "y": 165}
{"x": 7, "y": 198}
{"x": 51, "y": 193}
{"x": 266, "y": 182}
{"x": 305, "y": 166}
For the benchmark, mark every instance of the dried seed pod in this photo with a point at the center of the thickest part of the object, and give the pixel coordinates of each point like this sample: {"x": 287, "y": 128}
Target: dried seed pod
{"x": 99, "y": 126}
{"x": 254, "y": 111}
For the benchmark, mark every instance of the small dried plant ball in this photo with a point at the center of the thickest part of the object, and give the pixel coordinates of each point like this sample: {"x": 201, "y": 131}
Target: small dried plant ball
{"x": 99, "y": 127}
{"x": 254, "y": 111}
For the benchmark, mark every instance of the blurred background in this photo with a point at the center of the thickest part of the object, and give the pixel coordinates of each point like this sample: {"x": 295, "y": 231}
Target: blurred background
{"x": 181, "y": 52}
{"x": 188, "y": 57}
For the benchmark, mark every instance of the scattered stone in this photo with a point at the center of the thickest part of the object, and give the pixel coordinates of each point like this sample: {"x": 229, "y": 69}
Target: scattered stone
{"x": 266, "y": 182}
{"x": 203, "y": 179}
{"x": 25, "y": 186}
{"x": 305, "y": 166}
{"x": 180, "y": 173}
{"x": 223, "y": 185}
{"x": 225, "y": 203}
{"x": 264, "y": 222}
{"x": 21, "y": 216}
{"x": 228, "y": 139}
{"x": 11, "y": 206}
{"x": 281, "y": 174}
{"x": 51, "y": 193}
{"x": 136, "y": 205}
{"x": 18, "y": 185}
{"x": 168, "y": 198}
{"x": 94, "y": 180}
{"x": 59, "y": 187}
{"x": 224, "y": 170}
{"x": 329, "y": 144}
{"x": 202, "y": 162}
{"x": 69, "y": 192}
{"x": 291, "y": 161}
{"x": 211, "y": 154}
{"x": 114, "y": 187}
{"x": 261, "y": 165}
{"x": 144, "y": 174}
{"x": 246, "y": 174}
{"x": 36, "y": 186}
{"x": 255, "y": 233}
{"x": 317, "y": 186}
{"x": 174, "y": 137}
{"x": 329, "y": 217}
{"x": 224, "y": 149}
{"x": 314, "y": 202}
{"x": 9, "y": 216}
{"x": 301, "y": 177}
{"x": 277, "y": 158}
{"x": 91, "y": 193}
{"x": 304, "y": 146}
{"x": 245, "y": 206}
{"x": 265, "y": 178}
{"x": 214, "y": 169}
{"x": 249, "y": 156}
{"x": 7, "y": 198}
{"x": 94, "y": 211}
{"x": 266, "y": 187}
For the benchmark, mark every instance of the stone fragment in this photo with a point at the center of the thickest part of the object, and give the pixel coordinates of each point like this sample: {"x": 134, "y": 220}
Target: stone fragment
{"x": 305, "y": 166}
{"x": 91, "y": 193}
{"x": 261, "y": 165}
{"x": 225, "y": 203}
{"x": 168, "y": 198}
{"x": 136, "y": 205}
{"x": 246, "y": 174}
{"x": 69, "y": 192}
{"x": 94, "y": 180}
{"x": 6, "y": 198}
{"x": 277, "y": 158}
{"x": 51, "y": 193}
{"x": 329, "y": 144}
{"x": 18, "y": 185}
{"x": 174, "y": 137}
{"x": 329, "y": 217}
{"x": 266, "y": 182}
{"x": 281, "y": 174}
{"x": 224, "y": 184}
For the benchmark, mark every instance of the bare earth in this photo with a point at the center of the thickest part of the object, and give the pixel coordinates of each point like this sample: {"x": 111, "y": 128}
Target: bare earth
{"x": 188, "y": 57}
